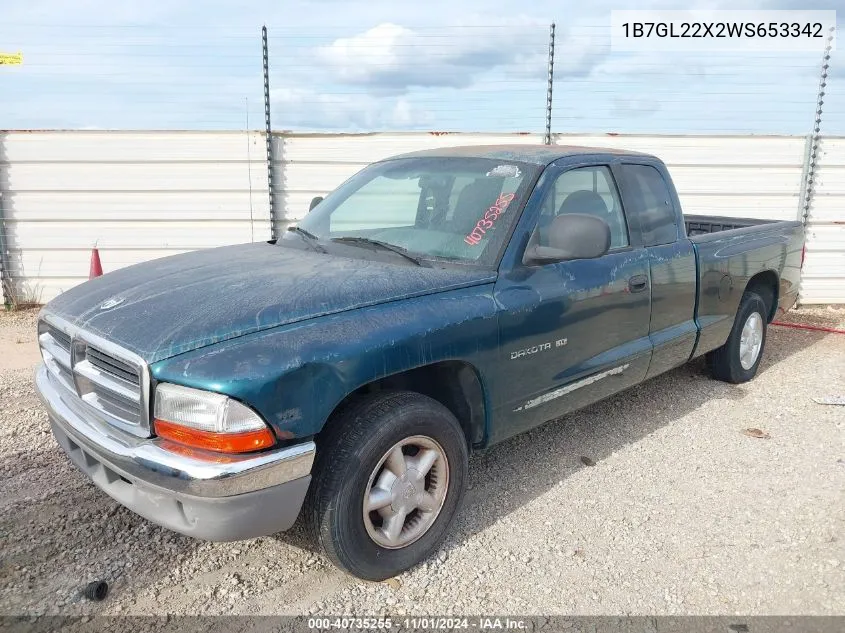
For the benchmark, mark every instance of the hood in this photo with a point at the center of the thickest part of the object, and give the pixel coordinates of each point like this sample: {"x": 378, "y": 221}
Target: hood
{"x": 176, "y": 304}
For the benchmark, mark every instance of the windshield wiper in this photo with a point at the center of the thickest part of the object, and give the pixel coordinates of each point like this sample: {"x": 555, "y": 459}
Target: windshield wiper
{"x": 309, "y": 237}
{"x": 355, "y": 239}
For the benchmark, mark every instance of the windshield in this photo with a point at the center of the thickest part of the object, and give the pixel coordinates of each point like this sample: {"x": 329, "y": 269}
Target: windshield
{"x": 452, "y": 208}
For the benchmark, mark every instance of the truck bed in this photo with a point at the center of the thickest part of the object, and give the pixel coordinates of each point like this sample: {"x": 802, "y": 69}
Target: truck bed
{"x": 704, "y": 224}
{"x": 729, "y": 252}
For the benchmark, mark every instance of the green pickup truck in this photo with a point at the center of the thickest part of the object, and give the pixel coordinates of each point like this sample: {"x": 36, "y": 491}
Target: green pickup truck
{"x": 434, "y": 304}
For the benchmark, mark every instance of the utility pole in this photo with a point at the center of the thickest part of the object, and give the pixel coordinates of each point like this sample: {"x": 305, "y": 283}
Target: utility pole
{"x": 815, "y": 137}
{"x": 548, "y": 138}
{"x": 268, "y": 130}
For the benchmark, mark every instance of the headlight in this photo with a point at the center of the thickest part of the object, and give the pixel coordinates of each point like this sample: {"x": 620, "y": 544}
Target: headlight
{"x": 208, "y": 420}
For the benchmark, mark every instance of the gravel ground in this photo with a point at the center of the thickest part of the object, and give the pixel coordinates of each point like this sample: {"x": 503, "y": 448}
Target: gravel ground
{"x": 680, "y": 513}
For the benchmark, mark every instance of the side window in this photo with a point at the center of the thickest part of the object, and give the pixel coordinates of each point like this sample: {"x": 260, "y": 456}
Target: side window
{"x": 588, "y": 190}
{"x": 647, "y": 195}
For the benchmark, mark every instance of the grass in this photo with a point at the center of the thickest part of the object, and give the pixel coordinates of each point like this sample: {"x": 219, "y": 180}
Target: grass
{"x": 22, "y": 296}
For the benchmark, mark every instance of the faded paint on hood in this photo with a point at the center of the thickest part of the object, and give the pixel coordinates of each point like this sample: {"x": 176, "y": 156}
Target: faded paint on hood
{"x": 180, "y": 303}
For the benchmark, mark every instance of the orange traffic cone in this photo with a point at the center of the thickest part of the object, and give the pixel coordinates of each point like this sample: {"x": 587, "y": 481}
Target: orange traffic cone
{"x": 96, "y": 267}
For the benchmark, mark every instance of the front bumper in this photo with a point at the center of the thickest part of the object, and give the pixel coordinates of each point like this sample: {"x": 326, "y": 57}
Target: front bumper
{"x": 213, "y": 497}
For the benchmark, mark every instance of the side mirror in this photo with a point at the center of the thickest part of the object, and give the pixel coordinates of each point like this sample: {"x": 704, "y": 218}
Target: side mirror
{"x": 314, "y": 202}
{"x": 571, "y": 236}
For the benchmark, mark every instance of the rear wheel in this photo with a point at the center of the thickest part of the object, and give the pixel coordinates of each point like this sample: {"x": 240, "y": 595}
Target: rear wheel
{"x": 739, "y": 358}
{"x": 389, "y": 479}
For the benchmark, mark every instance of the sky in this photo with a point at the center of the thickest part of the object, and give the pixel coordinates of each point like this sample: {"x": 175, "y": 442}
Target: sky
{"x": 358, "y": 66}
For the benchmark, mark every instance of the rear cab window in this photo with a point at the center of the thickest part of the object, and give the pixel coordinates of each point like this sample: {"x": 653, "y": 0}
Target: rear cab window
{"x": 648, "y": 198}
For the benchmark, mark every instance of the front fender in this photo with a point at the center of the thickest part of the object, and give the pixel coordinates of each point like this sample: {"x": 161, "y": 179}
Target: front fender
{"x": 296, "y": 375}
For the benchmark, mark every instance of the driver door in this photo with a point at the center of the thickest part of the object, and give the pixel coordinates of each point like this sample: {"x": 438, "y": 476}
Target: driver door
{"x": 575, "y": 331}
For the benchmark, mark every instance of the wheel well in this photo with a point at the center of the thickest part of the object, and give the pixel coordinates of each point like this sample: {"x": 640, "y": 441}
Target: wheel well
{"x": 454, "y": 384}
{"x": 765, "y": 284}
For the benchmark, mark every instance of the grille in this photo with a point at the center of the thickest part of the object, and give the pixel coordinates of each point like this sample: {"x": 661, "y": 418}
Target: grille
{"x": 55, "y": 350}
{"x": 60, "y": 337}
{"x": 109, "y": 379}
{"x": 112, "y": 365}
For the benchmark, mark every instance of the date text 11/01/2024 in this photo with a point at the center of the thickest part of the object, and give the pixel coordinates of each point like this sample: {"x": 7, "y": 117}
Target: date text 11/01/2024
{"x": 413, "y": 623}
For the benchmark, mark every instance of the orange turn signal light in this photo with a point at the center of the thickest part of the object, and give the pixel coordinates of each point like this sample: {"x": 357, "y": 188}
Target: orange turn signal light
{"x": 221, "y": 442}
{"x": 212, "y": 457}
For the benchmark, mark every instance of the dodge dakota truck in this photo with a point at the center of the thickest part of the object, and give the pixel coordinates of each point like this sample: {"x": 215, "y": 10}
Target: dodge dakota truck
{"x": 434, "y": 304}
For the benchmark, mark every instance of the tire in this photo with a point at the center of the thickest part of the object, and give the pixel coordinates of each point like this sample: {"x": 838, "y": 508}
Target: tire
{"x": 355, "y": 449}
{"x": 726, "y": 362}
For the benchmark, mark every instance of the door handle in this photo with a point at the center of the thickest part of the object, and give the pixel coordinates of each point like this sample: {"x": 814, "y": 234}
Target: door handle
{"x": 638, "y": 283}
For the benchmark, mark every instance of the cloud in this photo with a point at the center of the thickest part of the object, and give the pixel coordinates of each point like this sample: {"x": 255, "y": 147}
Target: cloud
{"x": 392, "y": 58}
{"x": 634, "y": 108}
{"x": 383, "y": 64}
{"x": 306, "y": 108}
{"x": 579, "y": 50}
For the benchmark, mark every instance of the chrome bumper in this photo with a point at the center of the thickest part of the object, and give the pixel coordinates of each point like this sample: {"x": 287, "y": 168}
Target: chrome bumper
{"x": 221, "y": 498}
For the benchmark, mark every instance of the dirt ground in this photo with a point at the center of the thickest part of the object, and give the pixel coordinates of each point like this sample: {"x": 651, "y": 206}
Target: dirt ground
{"x": 680, "y": 511}
{"x": 18, "y": 340}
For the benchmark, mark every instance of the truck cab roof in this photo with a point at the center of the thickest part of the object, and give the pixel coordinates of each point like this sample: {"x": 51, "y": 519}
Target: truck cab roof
{"x": 534, "y": 153}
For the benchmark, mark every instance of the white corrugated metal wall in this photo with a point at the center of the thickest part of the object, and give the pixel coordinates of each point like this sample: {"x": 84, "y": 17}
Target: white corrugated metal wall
{"x": 138, "y": 196}
{"x": 823, "y": 275}
{"x": 141, "y": 195}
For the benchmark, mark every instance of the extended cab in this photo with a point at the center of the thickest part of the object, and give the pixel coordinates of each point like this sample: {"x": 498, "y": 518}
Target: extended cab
{"x": 435, "y": 303}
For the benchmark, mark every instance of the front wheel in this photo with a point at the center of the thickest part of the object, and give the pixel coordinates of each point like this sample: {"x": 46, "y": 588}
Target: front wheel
{"x": 739, "y": 358}
{"x": 389, "y": 479}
